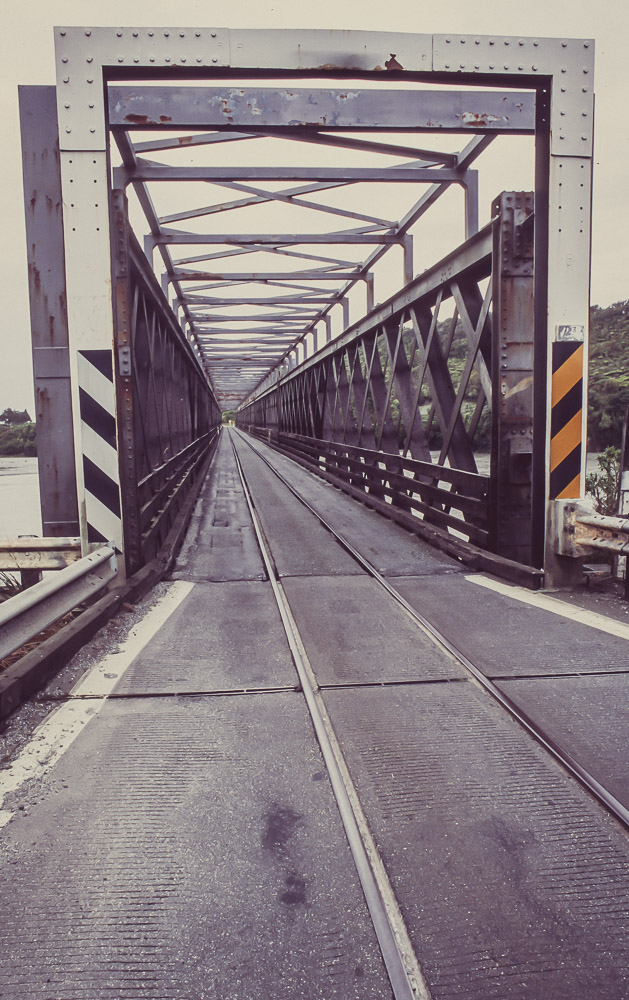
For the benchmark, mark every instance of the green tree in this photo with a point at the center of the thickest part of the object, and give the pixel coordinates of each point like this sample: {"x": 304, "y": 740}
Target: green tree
{"x": 14, "y": 417}
{"x": 602, "y": 486}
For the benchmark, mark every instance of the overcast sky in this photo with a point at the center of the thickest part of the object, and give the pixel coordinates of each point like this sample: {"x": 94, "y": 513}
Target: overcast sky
{"x": 27, "y": 57}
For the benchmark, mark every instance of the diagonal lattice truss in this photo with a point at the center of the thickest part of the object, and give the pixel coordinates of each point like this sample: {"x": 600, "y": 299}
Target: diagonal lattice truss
{"x": 263, "y": 278}
{"x": 404, "y": 380}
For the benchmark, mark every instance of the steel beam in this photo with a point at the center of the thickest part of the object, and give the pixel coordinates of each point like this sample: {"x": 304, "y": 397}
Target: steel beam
{"x": 152, "y": 173}
{"x": 262, "y": 276}
{"x": 276, "y": 239}
{"x": 350, "y": 109}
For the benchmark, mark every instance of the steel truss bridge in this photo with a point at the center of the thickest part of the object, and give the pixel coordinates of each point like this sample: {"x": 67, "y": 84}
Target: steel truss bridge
{"x": 305, "y": 166}
{"x": 324, "y": 758}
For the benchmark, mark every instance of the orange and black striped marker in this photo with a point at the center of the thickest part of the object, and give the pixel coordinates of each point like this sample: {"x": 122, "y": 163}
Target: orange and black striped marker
{"x": 566, "y": 420}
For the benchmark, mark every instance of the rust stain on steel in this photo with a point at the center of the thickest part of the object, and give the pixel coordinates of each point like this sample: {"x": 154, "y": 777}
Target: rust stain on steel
{"x": 478, "y": 118}
{"x": 334, "y": 67}
{"x": 134, "y": 119}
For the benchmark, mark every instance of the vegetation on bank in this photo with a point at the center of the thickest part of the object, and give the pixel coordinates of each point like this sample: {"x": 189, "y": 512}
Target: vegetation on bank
{"x": 17, "y": 433}
{"x": 602, "y": 485}
{"x": 609, "y": 375}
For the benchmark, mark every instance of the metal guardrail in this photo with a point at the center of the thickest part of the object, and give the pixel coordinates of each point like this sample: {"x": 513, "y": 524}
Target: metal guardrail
{"x": 580, "y": 529}
{"x": 30, "y": 553}
{"x": 443, "y": 496}
{"x": 600, "y": 531}
{"x": 22, "y": 617}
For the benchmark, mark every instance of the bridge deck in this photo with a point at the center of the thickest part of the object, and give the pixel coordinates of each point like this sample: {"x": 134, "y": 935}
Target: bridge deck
{"x": 187, "y": 843}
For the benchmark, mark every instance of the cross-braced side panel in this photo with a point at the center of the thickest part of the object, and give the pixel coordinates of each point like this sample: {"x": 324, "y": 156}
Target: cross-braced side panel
{"x": 412, "y": 381}
{"x": 167, "y": 414}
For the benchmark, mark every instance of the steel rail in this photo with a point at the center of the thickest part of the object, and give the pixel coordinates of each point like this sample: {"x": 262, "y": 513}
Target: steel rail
{"x": 392, "y": 954}
{"x": 602, "y": 794}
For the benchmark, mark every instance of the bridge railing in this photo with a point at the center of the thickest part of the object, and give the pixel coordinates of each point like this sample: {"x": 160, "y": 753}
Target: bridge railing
{"x": 404, "y": 382}
{"x": 450, "y": 499}
{"x": 168, "y": 417}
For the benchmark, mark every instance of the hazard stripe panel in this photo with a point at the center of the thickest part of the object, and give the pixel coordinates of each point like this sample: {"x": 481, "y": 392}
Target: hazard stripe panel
{"x": 566, "y": 420}
{"x": 100, "y": 457}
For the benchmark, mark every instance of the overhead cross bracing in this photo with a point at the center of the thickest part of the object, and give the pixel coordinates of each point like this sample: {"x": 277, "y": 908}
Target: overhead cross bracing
{"x": 326, "y": 183}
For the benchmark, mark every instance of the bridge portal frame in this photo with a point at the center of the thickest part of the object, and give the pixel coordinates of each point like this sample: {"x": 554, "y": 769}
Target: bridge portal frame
{"x": 559, "y": 70}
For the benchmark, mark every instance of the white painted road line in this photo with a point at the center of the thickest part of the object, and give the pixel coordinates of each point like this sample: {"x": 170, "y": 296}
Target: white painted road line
{"x": 53, "y": 737}
{"x": 557, "y": 607}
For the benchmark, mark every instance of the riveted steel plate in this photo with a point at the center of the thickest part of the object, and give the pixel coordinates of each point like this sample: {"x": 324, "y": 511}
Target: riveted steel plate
{"x": 508, "y": 638}
{"x": 354, "y": 632}
{"x": 223, "y": 636}
{"x": 220, "y": 542}
{"x": 513, "y": 882}
{"x": 391, "y": 549}
{"x": 300, "y": 545}
{"x": 587, "y": 716}
{"x": 186, "y": 850}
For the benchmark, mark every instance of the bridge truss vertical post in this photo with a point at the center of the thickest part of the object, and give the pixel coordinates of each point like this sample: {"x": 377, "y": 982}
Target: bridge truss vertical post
{"x": 49, "y": 320}
{"x": 123, "y": 339}
{"x": 85, "y": 185}
{"x": 512, "y": 376}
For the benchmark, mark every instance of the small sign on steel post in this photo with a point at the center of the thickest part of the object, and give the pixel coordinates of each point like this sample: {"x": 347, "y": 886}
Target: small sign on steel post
{"x": 567, "y": 332}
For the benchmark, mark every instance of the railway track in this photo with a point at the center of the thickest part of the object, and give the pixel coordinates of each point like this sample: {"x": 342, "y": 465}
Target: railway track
{"x": 585, "y": 777}
{"x": 192, "y": 760}
{"x": 399, "y": 957}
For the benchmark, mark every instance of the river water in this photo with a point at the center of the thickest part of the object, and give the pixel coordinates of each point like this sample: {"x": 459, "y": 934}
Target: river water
{"x": 19, "y": 497}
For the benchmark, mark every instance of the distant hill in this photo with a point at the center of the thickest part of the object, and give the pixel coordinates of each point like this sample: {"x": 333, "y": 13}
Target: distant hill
{"x": 609, "y": 375}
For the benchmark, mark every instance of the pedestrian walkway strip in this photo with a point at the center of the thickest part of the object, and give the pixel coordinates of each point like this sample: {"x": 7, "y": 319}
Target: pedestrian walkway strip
{"x": 558, "y": 607}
